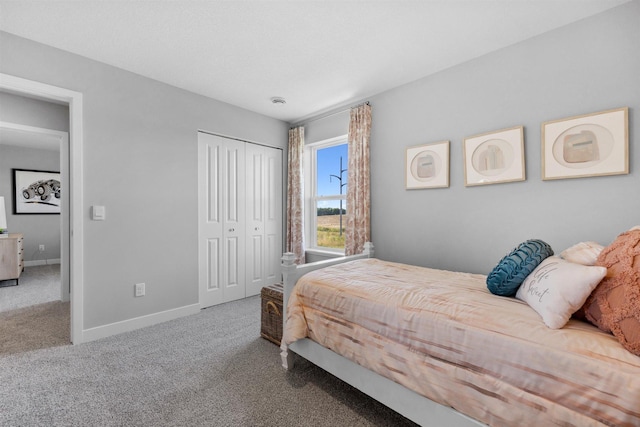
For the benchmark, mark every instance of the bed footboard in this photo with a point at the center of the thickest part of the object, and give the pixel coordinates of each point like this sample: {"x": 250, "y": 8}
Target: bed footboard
{"x": 290, "y": 275}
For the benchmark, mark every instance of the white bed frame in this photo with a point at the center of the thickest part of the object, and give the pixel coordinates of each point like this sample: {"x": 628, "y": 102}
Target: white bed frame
{"x": 406, "y": 402}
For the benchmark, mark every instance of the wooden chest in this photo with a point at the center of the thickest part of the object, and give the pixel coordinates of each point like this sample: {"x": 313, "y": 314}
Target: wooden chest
{"x": 271, "y": 317}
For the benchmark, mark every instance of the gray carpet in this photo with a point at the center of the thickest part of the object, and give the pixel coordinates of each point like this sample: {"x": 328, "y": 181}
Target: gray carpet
{"x": 37, "y": 285}
{"x": 36, "y": 327}
{"x": 208, "y": 369}
{"x": 31, "y": 314}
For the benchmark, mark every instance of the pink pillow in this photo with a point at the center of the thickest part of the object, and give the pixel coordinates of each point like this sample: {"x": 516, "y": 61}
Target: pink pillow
{"x": 614, "y": 306}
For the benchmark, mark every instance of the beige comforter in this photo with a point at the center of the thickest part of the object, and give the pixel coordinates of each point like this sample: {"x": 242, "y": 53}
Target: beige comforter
{"x": 443, "y": 335}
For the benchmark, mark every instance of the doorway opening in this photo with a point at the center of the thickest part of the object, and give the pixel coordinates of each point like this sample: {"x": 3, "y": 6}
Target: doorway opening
{"x": 72, "y": 236}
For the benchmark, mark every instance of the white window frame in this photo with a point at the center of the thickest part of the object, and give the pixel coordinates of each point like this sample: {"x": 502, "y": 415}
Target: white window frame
{"x": 310, "y": 196}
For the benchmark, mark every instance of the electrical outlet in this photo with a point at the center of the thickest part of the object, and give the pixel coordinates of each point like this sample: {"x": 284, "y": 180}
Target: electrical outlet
{"x": 139, "y": 289}
{"x": 41, "y": 248}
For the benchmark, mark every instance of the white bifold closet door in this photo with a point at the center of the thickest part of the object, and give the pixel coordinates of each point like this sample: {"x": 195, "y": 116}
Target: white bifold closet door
{"x": 264, "y": 217}
{"x": 240, "y": 218}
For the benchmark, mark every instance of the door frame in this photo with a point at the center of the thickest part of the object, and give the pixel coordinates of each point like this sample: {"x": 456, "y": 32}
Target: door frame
{"x": 73, "y": 99}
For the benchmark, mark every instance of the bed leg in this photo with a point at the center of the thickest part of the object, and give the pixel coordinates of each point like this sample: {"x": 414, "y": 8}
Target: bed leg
{"x": 287, "y": 358}
{"x": 289, "y": 279}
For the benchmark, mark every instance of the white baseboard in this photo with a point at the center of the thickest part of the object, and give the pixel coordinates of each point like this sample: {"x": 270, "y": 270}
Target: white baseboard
{"x": 99, "y": 332}
{"x": 41, "y": 262}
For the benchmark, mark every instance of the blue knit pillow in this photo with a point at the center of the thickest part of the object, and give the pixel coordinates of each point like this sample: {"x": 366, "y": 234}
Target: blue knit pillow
{"x": 508, "y": 275}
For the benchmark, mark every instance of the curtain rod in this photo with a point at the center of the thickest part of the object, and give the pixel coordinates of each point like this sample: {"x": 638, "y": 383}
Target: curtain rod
{"x": 324, "y": 116}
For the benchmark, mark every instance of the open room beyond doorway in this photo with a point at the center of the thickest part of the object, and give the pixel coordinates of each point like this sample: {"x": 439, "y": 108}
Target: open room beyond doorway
{"x": 74, "y": 233}
{"x": 29, "y": 150}
{"x": 34, "y": 308}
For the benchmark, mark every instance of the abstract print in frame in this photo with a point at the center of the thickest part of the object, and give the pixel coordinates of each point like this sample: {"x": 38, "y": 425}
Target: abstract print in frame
{"x": 588, "y": 145}
{"x": 427, "y": 166}
{"x": 36, "y": 192}
{"x": 494, "y": 157}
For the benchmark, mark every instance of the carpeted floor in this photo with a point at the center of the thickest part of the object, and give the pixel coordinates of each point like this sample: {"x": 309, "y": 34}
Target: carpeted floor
{"x": 31, "y": 314}
{"x": 37, "y": 285}
{"x": 32, "y": 328}
{"x": 208, "y": 369}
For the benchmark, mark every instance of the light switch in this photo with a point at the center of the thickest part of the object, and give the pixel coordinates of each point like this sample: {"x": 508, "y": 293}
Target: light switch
{"x": 98, "y": 213}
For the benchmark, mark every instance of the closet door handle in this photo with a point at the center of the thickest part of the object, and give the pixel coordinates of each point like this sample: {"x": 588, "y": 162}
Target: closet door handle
{"x": 231, "y": 230}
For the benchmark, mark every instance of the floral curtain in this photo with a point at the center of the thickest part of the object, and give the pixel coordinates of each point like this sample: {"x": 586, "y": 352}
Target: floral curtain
{"x": 295, "y": 226}
{"x": 358, "y": 228}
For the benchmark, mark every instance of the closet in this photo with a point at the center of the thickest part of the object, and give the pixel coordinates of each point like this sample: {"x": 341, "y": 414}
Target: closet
{"x": 239, "y": 218}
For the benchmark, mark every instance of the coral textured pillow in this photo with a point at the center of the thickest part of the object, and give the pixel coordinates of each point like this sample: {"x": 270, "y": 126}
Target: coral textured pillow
{"x": 614, "y": 306}
{"x": 557, "y": 288}
{"x": 508, "y": 275}
{"x": 585, "y": 253}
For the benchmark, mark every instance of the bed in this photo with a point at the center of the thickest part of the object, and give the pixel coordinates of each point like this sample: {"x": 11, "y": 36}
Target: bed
{"x": 484, "y": 360}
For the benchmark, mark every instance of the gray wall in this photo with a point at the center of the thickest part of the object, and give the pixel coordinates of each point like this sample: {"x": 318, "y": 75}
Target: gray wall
{"x": 327, "y": 127}
{"x": 33, "y": 112}
{"x": 140, "y": 161}
{"x": 589, "y": 66}
{"x": 37, "y": 229}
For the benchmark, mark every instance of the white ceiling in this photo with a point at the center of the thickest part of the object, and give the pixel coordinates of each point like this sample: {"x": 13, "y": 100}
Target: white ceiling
{"x": 319, "y": 55}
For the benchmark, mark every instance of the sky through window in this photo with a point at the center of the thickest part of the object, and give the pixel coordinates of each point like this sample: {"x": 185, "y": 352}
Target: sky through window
{"x": 328, "y": 164}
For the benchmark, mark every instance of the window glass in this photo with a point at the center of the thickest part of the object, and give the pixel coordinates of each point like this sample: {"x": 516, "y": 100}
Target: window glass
{"x": 331, "y": 170}
{"x": 331, "y": 221}
{"x": 329, "y": 199}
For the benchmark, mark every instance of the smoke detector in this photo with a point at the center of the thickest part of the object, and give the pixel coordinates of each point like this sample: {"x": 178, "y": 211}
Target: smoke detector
{"x": 277, "y": 100}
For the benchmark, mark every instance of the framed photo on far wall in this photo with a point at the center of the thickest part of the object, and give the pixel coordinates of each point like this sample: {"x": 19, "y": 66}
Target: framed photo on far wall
{"x": 588, "y": 145}
{"x": 494, "y": 157}
{"x": 36, "y": 192}
{"x": 427, "y": 166}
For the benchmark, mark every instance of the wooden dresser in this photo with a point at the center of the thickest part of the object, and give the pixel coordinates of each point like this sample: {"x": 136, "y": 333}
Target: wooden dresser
{"x": 11, "y": 257}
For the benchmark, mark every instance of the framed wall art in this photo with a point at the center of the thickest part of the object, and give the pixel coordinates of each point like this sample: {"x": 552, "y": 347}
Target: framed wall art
{"x": 588, "y": 145}
{"x": 427, "y": 166}
{"x": 36, "y": 192}
{"x": 494, "y": 157}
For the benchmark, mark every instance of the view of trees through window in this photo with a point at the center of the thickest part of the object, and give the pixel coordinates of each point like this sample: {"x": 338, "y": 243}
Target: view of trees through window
{"x": 331, "y": 195}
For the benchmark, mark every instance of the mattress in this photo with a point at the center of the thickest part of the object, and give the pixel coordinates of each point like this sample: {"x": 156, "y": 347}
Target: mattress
{"x": 443, "y": 335}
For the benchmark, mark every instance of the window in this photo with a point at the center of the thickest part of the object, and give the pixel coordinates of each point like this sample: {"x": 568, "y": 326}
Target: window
{"x": 326, "y": 194}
